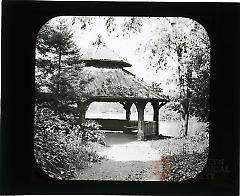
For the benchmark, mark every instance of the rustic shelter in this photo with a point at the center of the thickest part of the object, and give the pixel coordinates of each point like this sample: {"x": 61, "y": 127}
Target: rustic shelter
{"x": 110, "y": 82}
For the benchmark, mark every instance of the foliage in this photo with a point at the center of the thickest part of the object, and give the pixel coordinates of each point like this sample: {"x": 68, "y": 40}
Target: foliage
{"x": 73, "y": 85}
{"x": 61, "y": 145}
{"x": 180, "y": 167}
{"x": 56, "y": 65}
{"x": 55, "y": 50}
{"x": 157, "y": 87}
{"x": 180, "y": 154}
{"x": 56, "y": 39}
{"x": 58, "y": 144}
{"x": 185, "y": 41}
{"x": 50, "y": 153}
{"x": 132, "y": 25}
{"x": 169, "y": 112}
{"x": 200, "y": 97}
{"x": 92, "y": 133}
{"x": 82, "y": 22}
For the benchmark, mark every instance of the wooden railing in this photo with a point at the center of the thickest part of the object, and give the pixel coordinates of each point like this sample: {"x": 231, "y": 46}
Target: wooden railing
{"x": 120, "y": 125}
{"x": 149, "y": 128}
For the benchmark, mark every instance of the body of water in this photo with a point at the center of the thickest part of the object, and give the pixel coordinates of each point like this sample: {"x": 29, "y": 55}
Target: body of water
{"x": 167, "y": 128}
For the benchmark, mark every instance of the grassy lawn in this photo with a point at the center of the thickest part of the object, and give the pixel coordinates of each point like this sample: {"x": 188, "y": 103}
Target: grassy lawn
{"x": 180, "y": 167}
{"x": 182, "y": 158}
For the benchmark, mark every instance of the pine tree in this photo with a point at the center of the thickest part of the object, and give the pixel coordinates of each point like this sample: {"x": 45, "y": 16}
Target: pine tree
{"x": 55, "y": 51}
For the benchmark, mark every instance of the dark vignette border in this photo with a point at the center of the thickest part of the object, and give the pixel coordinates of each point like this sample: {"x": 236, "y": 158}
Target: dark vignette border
{"x": 21, "y": 21}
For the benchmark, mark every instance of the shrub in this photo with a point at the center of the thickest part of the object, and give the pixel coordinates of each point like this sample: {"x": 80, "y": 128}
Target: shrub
{"x": 52, "y": 156}
{"x": 91, "y": 133}
{"x": 91, "y": 154}
{"x": 58, "y": 143}
{"x": 200, "y": 136}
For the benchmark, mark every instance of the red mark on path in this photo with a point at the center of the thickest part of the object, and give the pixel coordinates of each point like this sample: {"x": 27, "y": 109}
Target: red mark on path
{"x": 162, "y": 168}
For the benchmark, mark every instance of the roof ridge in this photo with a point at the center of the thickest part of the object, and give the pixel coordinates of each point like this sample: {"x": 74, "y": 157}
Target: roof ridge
{"x": 103, "y": 53}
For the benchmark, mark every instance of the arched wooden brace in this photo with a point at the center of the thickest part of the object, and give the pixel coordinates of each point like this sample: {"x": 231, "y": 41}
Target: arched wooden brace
{"x": 156, "y": 107}
{"x": 140, "y": 108}
{"x": 127, "y": 106}
{"x": 82, "y": 108}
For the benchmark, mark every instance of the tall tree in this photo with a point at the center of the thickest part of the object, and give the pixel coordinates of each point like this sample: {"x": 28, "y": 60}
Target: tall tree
{"x": 187, "y": 43}
{"x": 200, "y": 97}
{"x": 55, "y": 51}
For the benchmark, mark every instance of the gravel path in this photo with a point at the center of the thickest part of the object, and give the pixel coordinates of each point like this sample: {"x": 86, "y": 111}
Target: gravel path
{"x": 126, "y": 159}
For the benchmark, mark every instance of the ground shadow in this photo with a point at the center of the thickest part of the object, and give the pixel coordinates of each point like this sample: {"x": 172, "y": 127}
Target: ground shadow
{"x": 158, "y": 137}
{"x": 114, "y": 138}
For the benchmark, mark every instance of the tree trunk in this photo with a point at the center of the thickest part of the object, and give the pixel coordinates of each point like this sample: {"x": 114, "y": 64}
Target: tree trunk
{"x": 184, "y": 115}
{"x": 59, "y": 72}
{"x": 58, "y": 85}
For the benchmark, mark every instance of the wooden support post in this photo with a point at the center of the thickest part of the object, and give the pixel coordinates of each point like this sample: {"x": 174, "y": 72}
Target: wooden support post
{"x": 140, "y": 108}
{"x": 156, "y": 107}
{"x": 127, "y": 107}
{"x": 156, "y": 115}
{"x": 128, "y": 113}
{"x": 82, "y": 108}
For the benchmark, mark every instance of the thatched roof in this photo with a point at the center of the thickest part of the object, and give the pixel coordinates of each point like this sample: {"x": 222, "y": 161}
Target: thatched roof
{"x": 103, "y": 77}
{"x": 106, "y": 83}
{"x": 102, "y": 56}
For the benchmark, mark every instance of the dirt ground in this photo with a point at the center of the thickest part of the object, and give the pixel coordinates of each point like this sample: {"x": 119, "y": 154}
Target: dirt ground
{"x": 126, "y": 159}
